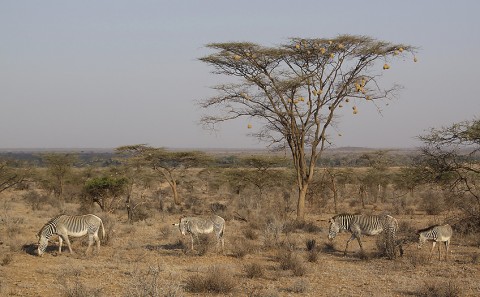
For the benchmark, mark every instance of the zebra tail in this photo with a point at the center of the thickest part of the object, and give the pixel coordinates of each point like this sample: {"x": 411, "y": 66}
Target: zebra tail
{"x": 103, "y": 230}
{"x": 223, "y": 230}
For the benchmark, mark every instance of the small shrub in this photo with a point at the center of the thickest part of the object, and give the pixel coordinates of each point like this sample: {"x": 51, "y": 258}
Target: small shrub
{"x": 311, "y": 244}
{"x": 418, "y": 259}
{"x": 312, "y": 256}
{"x": 289, "y": 261}
{"x": 253, "y": 270}
{"x": 362, "y": 255}
{"x": 165, "y": 231}
{"x": 78, "y": 289}
{"x": 475, "y": 258}
{"x": 431, "y": 203}
{"x": 109, "y": 223}
{"x": 437, "y": 289}
{"x": 299, "y": 287}
{"x": 145, "y": 283}
{"x": 328, "y": 247}
{"x": 249, "y": 233}
{"x": 242, "y": 248}
{"x": 204, "y": 244}
{"x": 7, "y": 259}
{"x": 34, "y": 199}
{"x": 216, "y": 280}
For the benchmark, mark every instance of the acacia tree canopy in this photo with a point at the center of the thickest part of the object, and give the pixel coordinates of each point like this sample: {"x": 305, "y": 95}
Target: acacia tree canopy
{"x": 451, "y": 158}
{"x": 296, "y": 89}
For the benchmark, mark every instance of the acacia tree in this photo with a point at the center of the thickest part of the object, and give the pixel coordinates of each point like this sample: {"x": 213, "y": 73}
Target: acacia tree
{"x": 451, "y": 158}
{"x": 9, "y": 176}
{"x": 59, "y": 166}
{"x": 296, "y": 89}
{"x": 165, "y": 163}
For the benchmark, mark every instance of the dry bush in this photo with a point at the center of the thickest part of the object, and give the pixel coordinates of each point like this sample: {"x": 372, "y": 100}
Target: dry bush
{"x": 241, "y": 248}
{"x": 204, "y": 244}
{"x": 145, "y": 283}
{"x": 432, "y": 202}
{"x": 76, "y": 288}
{"x": 299, "y": 287}
{"x": 110, "y": 225}
{"x": 249, "y": 233}
{"x": 362, "y": 255}
{"x": 35, "y": 200}
{"x": 418, "y": 259}
{"x": 215, "y": 280}
{"x": 270, "y": 292}
{"x": 253, "y": 270}
{"x": 312, "y": 250}
{"x": 166, "y": 231}
{"x": 290, "y": 261}
{"x": 328, "y": 247}
{"x": 440, "y": 289}
{"x": 311, "y": 244}
{"x": 308, "y": 227}
{"x": 271, "y": 233}
{"x": 7, "y": 259}
{"x": 79, "y": 289}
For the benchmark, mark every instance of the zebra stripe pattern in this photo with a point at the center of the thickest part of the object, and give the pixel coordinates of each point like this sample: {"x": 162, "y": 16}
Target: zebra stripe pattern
{"x": 75, "y": 226}
{"x": 365, "y": 225}
{"x": 436, "y": 233}
{"x": 198, "y": 225}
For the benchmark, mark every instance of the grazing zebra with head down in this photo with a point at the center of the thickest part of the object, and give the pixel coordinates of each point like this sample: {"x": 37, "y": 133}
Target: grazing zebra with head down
{"x": 198, "y": 225}
{"x": 76, "y": 226}
{"x": 366, "y": 225}
{"x": 436, "y": 234}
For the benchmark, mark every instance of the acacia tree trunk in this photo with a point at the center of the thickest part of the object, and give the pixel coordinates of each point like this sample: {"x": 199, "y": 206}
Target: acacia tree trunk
{"x": 176, "y": 197}
{"x": 128, "y": 206}
{"x": 302, "y": 192}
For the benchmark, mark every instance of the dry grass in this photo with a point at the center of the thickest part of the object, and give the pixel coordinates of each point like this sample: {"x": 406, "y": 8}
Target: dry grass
{"x": 215, "y": 280}
{"x": 253, "y": 270}
{"x": 440, "y": 289}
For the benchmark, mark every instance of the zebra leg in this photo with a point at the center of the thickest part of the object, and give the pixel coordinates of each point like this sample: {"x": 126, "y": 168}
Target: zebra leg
{"x": 191, "y": 236}
{"x": 431, "y": 251}
{"x": 68, "y": 244}
{"x": 97, "y": 240}
{"x": 60, "y": 242}
{"x": 447, "y": 245}
{"x": 348, "y": 241}
{"x": 90, "y": 243}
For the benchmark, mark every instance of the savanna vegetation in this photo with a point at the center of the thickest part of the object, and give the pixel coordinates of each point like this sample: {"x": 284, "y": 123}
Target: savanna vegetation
{"x": 268, "y": 251}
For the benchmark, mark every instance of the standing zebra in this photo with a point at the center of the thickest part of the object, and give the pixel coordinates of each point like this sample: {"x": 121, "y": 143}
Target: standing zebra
{"x": 436, "y": 233}
{"x": 367, "y": 225}
{"x": 76, "y": 226}
{"x": 200, "y": 225}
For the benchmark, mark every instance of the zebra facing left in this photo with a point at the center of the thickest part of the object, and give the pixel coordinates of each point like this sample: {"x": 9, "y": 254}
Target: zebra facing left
{"x": 75, "y": 226}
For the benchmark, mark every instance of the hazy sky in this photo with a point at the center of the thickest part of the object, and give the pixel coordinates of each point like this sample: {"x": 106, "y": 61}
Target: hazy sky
{"x": 101, "y": 74}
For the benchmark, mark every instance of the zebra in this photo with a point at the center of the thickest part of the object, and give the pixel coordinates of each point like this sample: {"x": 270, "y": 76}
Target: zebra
{"x": 367, "y": 225}
{"x": 199, "y": 225}
{"x": 436, "y": 233}
{"x": 75, "y": 226}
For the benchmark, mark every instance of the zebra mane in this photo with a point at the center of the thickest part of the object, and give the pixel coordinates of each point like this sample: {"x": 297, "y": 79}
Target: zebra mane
{"x": 49, "y": 222}
{"x": 426, "y": 229}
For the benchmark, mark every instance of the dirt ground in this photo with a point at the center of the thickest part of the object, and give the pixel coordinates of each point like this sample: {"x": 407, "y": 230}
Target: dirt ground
{"x": 148, "y": 255}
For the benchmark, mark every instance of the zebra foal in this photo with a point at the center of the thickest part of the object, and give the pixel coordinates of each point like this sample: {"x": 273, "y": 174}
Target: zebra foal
{"x": 436, "y": 233}
{"x": 75, "y": 226}
{"x": 365, "y": 225}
